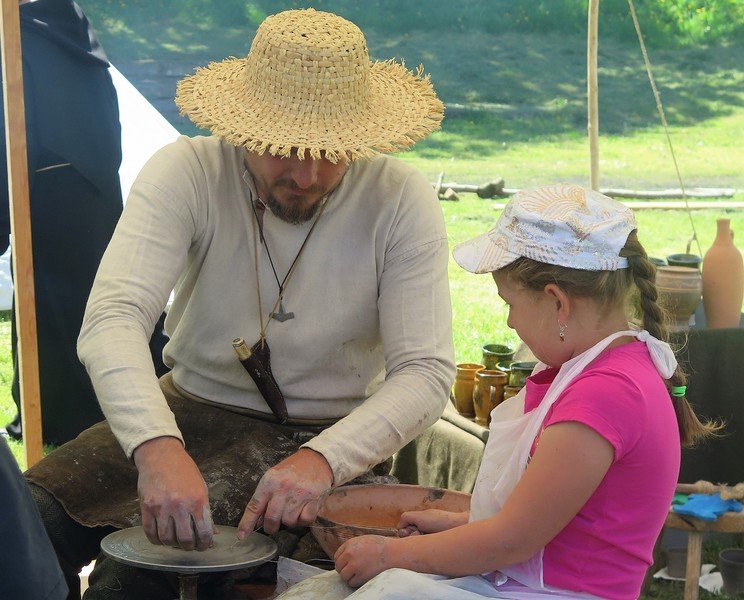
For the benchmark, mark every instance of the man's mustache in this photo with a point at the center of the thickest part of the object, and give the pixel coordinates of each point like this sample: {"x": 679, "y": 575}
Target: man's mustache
{"x": 293, "y": 187}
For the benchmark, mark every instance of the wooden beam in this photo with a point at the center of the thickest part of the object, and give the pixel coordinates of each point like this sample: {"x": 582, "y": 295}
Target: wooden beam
{"x": 592, "y": 92}
{"x": 639, "y": 205}
{"x": 20, "y": 227}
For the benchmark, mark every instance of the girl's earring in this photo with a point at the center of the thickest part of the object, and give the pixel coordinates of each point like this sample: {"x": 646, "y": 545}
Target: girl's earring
{"x": 562, "y": 331}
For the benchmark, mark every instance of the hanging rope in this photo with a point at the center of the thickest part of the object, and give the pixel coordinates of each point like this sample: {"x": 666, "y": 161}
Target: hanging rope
{"x": 660, "y": 109}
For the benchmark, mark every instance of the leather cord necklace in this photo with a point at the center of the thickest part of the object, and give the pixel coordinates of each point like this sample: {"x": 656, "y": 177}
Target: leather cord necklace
{"x": 281, "y": 315}
{"x": 257, "y": 359}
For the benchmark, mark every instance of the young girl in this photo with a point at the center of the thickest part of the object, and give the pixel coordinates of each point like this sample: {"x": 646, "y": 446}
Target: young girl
{"x": 580, "y": 468}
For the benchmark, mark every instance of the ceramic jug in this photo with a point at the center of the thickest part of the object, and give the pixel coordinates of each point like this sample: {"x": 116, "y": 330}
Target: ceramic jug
{"x": 723, "y": 279}
{"x": 462, "y": 390}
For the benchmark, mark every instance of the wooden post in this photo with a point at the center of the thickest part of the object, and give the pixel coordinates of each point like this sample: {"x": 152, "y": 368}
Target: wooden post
{"x": 20, "y": 227}
{"x": 593, "y": 93}
{"x": 694, "y": 560}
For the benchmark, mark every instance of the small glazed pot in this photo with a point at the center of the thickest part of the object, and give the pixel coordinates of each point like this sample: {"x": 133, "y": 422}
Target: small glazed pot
{"x": 659, "y": 262}
{"x": 676, "y": 561}
{"x": 510, "y": 391}
{"x": 488, "y": 393}
{"x": 519, "y": 372}
{"x": 731, "y": 566}
{"x": 691, "y": 261}
{"x": 496, "y": 353}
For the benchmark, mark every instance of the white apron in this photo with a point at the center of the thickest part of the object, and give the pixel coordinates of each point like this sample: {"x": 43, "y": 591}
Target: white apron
{"x": 512, "y": 433}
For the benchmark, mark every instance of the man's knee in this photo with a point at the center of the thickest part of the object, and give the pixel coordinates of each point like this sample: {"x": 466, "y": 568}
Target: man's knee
{"x": 75, "y": 544}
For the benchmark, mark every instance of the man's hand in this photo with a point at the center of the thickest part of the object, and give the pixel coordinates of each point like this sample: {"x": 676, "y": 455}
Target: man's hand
{"x": 173, "y": 496}
{"x": 432, "y": 520}
{"x": 288, "y": 493}
{"x": 361, "y": 558}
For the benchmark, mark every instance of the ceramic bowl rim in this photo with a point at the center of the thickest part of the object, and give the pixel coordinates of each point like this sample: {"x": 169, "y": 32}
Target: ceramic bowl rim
{"x": 524, "y": 365}
{"x": 502, "y": 349}
{"x": 724, "y": 556}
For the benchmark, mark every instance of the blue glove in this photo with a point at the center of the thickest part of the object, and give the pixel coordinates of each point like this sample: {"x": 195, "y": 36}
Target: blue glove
{"x": 707, "y": 507}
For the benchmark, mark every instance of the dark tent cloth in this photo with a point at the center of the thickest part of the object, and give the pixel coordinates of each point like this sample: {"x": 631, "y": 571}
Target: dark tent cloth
{"x": 29, "y": 564}
{"x": 72, "y": 116}
{"x": 714, "y": 362}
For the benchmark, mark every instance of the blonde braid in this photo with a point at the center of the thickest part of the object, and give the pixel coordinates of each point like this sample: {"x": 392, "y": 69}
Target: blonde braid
{"x": 691, "y": 429}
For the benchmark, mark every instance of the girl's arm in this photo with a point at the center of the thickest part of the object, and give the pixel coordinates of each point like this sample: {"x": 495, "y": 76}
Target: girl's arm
{"x": 569, "y": 463}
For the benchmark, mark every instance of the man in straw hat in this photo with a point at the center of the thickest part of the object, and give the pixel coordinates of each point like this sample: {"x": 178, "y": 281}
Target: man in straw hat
{"x": 285, "y": 229}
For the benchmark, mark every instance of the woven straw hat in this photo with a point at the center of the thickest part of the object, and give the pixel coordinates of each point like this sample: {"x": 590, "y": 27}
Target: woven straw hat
{"x": 308, "y": 84}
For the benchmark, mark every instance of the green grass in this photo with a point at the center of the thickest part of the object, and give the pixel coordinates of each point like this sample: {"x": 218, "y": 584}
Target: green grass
{"x": 7, "y": 407}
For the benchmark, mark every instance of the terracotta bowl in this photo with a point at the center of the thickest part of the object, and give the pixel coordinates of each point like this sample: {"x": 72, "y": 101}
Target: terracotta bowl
{"x": 353, "y": 510}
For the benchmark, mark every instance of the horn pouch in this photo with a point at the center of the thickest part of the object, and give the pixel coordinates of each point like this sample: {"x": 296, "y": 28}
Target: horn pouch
{"x": 257, "y": 361}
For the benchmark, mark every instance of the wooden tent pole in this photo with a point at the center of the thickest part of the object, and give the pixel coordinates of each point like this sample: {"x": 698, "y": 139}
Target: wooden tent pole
{"x": 593, "y": 93}
{"x": 20, "y": 227}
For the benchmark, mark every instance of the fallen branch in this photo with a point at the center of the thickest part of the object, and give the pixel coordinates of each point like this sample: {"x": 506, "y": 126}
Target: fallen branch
{"x": 496, "y": 189}
{"x": 671, "y": 193}
{"x": 674, "y": 205}
{"x": 492, "y": 189}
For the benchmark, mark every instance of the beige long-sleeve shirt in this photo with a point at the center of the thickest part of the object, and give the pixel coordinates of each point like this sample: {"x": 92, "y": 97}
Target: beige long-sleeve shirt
{"x": 371, "y": 337}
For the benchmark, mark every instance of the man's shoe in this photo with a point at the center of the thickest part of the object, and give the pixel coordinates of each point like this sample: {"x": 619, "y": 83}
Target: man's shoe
{"x": 13, "y": 429}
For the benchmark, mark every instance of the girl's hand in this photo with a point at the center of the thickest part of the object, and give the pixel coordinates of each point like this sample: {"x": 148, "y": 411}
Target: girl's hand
{"x": 429, "y": 521}
{"x": 361, "y": 558}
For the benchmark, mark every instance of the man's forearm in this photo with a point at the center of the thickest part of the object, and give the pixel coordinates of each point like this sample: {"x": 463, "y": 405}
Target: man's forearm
{"x": 402, "y": 408}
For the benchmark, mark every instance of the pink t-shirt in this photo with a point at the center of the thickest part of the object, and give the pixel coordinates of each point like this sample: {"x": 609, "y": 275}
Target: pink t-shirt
{"x": 607, "y": 547}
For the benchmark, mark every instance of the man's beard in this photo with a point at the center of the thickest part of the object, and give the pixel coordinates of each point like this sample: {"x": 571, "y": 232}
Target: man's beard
{"x": 294, "y": 213}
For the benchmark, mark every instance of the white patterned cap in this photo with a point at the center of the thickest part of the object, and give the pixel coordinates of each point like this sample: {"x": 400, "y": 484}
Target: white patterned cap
{"x": 561, "y": 224}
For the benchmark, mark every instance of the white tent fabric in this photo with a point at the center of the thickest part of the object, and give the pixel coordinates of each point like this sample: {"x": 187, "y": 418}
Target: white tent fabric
{"x": 143, "y": 131}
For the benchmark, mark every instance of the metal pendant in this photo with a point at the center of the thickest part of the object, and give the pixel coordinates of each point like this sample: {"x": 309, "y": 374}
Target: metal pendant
{"x": 282, "y": 315}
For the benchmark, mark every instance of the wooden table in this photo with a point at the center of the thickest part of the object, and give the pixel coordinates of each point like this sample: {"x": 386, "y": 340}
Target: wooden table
{"x": 729, "y": 522}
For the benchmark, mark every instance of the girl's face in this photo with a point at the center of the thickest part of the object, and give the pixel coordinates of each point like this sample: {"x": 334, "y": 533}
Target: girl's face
{"x": 534, "y": 316}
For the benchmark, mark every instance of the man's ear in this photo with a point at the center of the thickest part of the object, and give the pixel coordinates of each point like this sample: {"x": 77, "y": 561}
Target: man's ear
{"x": 560, "y": 299}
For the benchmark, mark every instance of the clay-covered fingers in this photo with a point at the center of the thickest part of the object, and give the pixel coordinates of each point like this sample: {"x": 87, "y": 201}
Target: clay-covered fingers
{"x": 174, "y": 501}
{"x": 360, "y": 559}
{"x": 253, "y": 514}
{"x": 408, "y": 530}
{"x": 204, "y": 529}
{"x": 150, "y": 527}
{"x": 288, "y": 493}
{"x": 272, "y": 509}
{"x": 188, "y": 530}
{"x": 429, "y": 521}
{"x": 194, "y": 533}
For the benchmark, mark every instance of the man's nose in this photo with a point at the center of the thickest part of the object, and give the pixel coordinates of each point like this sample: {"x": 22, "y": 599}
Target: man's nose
{"x": 305, "y": 172}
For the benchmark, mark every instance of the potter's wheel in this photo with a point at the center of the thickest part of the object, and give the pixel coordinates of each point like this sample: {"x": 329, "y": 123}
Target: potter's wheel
{"x": 131, "y": 547}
